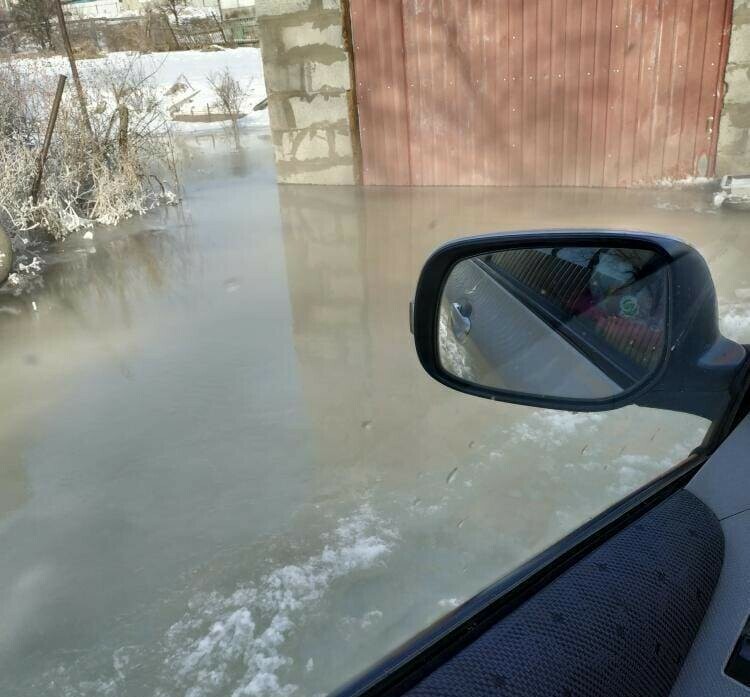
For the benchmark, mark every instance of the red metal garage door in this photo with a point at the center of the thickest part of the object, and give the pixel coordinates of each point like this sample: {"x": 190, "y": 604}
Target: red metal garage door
{"x": 538, "y": 92}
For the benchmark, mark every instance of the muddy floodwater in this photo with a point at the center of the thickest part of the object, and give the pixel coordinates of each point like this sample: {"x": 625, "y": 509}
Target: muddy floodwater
{"x": 223, "y": 471}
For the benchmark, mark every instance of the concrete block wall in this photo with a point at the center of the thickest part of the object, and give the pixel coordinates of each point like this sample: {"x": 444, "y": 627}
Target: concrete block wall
{"x": 307, "y": 75}
{"x": 733, "y": 156}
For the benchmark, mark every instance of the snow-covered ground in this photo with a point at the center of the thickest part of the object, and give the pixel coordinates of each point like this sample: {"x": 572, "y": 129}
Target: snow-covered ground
{"x": 195, "y": 11}
{"x": 180, "y": 79}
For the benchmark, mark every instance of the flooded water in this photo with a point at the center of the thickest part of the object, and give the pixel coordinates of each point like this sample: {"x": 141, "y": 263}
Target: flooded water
{"x": 223, "y": 471}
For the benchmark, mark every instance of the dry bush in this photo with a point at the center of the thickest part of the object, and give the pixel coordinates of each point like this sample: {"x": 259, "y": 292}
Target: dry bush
{"x": 36, "y": 19}
{"x": 87, "y": 49}
{"x": 121, "y": 171}
{"x": 239, "y": 13}
{"x": 128, "y": 36}
{"x": 229, "y": 95}
{"x": 94, "y": 37}
{"x": 173, "y": 8}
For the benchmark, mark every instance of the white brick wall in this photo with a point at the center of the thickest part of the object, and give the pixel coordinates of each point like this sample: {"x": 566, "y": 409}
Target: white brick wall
{"x": 320, "y": 76}
{"x": 307, "y": 33}
{"x": 318, "y": 110}
{"x": 307, "y": 75}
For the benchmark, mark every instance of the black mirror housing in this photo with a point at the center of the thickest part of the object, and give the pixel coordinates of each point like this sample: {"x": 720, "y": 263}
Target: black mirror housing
{"x": 697, "y": 371}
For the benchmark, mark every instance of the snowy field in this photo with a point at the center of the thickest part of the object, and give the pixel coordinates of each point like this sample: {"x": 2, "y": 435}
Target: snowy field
{"x": 179, "y": 79}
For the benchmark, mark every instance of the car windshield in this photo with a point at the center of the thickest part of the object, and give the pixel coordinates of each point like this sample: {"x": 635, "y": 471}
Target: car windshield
{"x": 223, "y": 470}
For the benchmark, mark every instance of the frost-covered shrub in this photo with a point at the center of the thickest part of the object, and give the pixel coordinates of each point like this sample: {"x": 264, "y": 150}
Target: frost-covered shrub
{"x": 127, "y": 166}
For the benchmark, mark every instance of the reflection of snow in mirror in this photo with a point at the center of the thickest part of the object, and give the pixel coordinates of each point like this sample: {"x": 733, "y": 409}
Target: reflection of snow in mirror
{"x": 452, "y": 354}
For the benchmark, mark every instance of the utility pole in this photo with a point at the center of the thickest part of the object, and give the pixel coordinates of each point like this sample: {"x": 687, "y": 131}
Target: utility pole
{"x": 221, "y": 12}
{"x": 73, "y": 68}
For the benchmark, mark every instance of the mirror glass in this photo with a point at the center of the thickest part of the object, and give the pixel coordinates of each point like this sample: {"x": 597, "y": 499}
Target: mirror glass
{"x": 568, "y": 322}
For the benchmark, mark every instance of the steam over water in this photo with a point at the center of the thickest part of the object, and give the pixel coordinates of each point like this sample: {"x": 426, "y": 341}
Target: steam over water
{"x": 223, "y": 471}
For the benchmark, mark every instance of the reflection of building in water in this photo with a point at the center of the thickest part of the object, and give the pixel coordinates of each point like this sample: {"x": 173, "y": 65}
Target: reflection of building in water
{"x": 352, "y": 259}
{"x": 324, "y": 254}
{"x": 324, "y": 248}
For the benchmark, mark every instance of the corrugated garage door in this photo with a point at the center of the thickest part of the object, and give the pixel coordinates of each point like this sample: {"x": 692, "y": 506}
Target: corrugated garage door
{"x": 538, "y": 92}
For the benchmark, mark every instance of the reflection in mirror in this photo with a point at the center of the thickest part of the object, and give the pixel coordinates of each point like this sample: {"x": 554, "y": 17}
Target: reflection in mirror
{"x": 570, "y": 322}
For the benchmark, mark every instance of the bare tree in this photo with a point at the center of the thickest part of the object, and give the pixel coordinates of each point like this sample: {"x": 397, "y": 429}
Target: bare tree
{"x": 172, "y": 7}
{"x": 230, "y": 96}
{"x": 8, "y": 32}
{"x": 35, "y": 19}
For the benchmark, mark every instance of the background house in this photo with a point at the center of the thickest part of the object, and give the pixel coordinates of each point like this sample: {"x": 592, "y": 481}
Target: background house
{"x": 83, "y": 9}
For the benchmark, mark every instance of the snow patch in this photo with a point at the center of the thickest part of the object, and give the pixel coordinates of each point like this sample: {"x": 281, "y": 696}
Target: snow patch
{"x": 241, "y": 644}
{"x": 634, "y": 471}
{"x": 245, "y": 632}
{"x": 683, "y": 183}
{"x": 734, "y": 320}
{"x": 371, "y": 618}
{"x": 27, "y": 274}
{"x": 449, "y": 603}
{"x": 553, "y": 428}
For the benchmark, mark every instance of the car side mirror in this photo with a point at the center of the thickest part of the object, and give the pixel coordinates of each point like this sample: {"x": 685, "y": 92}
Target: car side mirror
{"x": 579, "y": 320}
